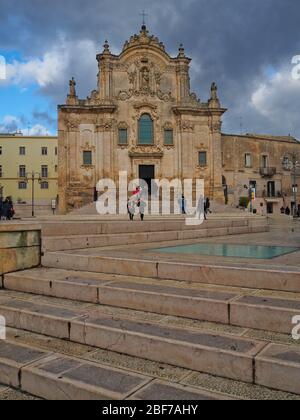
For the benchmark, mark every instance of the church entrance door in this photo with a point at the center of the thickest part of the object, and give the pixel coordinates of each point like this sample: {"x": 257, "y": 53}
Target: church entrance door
{"x": 147, "y": 173}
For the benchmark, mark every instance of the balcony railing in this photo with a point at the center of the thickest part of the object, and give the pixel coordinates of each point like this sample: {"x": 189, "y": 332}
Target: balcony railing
{"x": 268, "y": 172}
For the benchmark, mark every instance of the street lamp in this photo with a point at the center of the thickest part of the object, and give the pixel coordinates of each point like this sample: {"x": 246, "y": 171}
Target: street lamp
{"x": 33, "y": 176}
{"x": 291, "y": 162}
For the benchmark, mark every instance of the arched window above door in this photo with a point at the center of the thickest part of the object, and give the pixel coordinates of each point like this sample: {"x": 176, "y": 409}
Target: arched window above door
{"x": 146, "y": 129}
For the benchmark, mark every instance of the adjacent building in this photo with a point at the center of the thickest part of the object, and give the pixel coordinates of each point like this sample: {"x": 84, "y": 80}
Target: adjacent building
{"x": 20, "y": 157}
{"x": 262, "y": 166}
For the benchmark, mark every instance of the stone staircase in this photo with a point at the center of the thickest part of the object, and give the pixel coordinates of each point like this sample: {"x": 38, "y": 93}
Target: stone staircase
{"x": 89, "y": 326}
{"x": 73, "y": 234}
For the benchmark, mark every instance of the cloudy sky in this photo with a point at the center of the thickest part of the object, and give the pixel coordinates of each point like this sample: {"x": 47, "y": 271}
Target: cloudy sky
{"x": 246, "y": 46}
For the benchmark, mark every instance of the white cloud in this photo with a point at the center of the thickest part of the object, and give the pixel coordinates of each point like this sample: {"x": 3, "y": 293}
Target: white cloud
{"x": 54, "y": 66}
{"x": 277, "y": 98}
{"x": 13, "y": 124}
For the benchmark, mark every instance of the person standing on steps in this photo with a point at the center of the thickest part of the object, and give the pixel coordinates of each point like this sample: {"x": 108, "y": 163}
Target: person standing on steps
{"x": 201, "y": 208}
{"x": 207, "y": 207}
{"x": 142, "y": 207}
{"x": 183, "y": 204}
{"x": 131, "y": 209}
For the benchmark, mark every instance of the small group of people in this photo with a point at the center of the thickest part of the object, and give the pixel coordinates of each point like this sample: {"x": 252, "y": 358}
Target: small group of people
{"x": 136, "y": 201}
{"x": 6, "y": 209}
{"x": 287, "y": 211}
{"x": 137, "y": 204}
{"x": 203, "y": 206}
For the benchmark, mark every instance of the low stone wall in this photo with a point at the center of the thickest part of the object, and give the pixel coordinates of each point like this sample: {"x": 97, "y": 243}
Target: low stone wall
{"x": 20, "y": 247}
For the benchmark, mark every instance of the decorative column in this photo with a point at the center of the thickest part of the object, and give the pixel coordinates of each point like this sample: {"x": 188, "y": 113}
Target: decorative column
{"x": 183, "y": 78}
{"x": 216, "y": 113}
{"x": 105, "y": 78}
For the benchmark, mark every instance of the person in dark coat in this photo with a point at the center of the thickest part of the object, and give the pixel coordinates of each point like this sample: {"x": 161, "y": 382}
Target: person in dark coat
{"x": 8, "y": 209}
{"x": 5, "y": 209}
{"x": 1, "y": 209}
{"x": 207, "y": 205}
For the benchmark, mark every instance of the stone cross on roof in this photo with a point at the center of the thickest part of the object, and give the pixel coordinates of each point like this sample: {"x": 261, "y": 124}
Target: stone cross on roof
{"x": 144, "y": 14}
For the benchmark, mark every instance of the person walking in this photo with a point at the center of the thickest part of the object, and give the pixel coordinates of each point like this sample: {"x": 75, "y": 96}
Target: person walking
{"x": 201, "y": 208}
{"x": 183, "y": 205}
{"x": 142, "y": 207}
{"x": 5, "y": 209}
{"x": 11, "y": 211}
{"x": 1, "y": 208}
{"x": 131, "y": 209}
{"x": 208, "y": 205}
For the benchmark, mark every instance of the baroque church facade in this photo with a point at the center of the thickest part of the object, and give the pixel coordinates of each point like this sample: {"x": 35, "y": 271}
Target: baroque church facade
{"x": 143, "y": 118}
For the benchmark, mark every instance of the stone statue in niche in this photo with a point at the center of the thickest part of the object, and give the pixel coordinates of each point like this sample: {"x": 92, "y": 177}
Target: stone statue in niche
{"x": 145, "y": 79}
{"x": 132, "y": 77}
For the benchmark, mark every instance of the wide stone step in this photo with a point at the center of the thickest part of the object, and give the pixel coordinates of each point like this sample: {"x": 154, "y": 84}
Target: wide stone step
{"x": 239, "y": 307}
{"x": 57, "y": 377}
{"x": 236, "y": 275}
{"x": 201, "y": 304}
{"x": 217, "y": 354}
{"x": 168, "y": 382}
{"x": 69, "y": 242}
{"x": 101, "y": 227}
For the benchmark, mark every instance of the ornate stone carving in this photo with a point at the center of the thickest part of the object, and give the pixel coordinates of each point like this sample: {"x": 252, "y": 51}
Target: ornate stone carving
{"x": 194, "y": 99}
{"x": 168, "y": 126}
{"x": 146, "y": 151}
{"x": 124, "y": 95}
{"x": 105, "y": 124}
{"x": 166, "y": 97}
{"x": 88, "y": 147}
{"x": 186, "y": 125}
{"x": 143, "y": 39}
{"x": 94, "y": 99}
{"x": 140, "y": 105}
{"x": 216, "y": 126}
{"x": 123, "y": 125}
{"x": 72, "y": 123}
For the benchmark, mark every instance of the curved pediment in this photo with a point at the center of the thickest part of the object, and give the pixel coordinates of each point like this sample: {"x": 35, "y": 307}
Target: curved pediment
{"x": 143, "y": 39}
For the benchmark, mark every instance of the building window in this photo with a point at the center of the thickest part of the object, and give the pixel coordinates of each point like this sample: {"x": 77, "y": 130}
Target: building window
{"x": 87, "y": 158}
{"x": 265, "y": 161}
{"x": 22, "y": 171}
{"x": 1, "y": 175}
{"x": 44, "y": 171}
{"x": 56, "y": 151}
{"x": 56, "y": 168}
{"x": 202, "y": 159}
{"x": 248, "y": 160}
{"x": 123, "y": 136}
{"x": 22, "y": 185}
{"x": 146, "y": 130}
{"x": 44, "y": 151}
{"x": 22, "y": 151}
{"x": 169, "y": 137}
{"x": 286, "y": 163}
{"x": 0, "y": 150}
{"x": 44, "y": 185}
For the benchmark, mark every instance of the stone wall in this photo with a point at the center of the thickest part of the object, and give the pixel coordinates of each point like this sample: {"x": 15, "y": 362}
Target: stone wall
{"x": 20, "y": 247}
